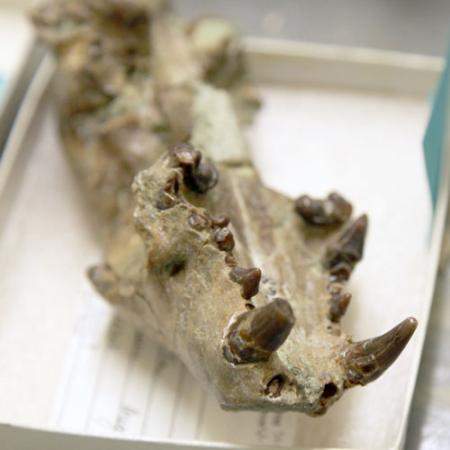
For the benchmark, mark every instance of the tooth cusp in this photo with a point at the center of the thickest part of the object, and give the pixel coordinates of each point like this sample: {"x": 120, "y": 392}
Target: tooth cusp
{"x": 342, "y": 256}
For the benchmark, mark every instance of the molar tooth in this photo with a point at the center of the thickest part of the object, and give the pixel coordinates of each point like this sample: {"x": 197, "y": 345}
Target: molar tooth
{"x": 249, "y": 280}
{"x": 199, "y": 175}
{"x": 366, "y": 360}
{"x": 350, "y": 245}
{"x": 204, "y": 177}
{"x": 259, "y": 332}
{"x": 334, "y": 210}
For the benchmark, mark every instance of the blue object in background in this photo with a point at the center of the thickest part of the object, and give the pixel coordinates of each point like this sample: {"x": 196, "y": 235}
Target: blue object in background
{"x": 436, "y": 134}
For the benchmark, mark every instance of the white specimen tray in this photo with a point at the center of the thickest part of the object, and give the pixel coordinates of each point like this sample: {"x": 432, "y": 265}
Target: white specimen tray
{"x": 75, "y": 376}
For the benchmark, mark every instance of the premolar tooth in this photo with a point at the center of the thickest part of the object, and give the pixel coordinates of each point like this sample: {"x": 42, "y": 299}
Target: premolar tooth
{"x": 349, "y": 247}
{"x": 259, "y": 332}
{"x": 365, "y": 361}
{"x": 224, "y": 239}
{"x": 249, "y": 280}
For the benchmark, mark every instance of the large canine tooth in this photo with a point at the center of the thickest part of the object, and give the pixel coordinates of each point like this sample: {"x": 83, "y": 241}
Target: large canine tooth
{"x": 365, "y": 361}
{"x": 258, "y": 333}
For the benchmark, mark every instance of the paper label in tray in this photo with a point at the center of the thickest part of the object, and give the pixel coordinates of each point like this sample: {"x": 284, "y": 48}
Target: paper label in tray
{"x": 118, "y": 382}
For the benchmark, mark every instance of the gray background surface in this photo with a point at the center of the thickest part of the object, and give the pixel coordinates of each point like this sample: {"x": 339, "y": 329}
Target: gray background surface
{"x": 417, "y": 26}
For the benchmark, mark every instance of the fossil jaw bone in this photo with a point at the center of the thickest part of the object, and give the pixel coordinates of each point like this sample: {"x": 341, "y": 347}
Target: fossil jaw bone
{"x": 203, "y": 284}
{"x": 258, "y": 351}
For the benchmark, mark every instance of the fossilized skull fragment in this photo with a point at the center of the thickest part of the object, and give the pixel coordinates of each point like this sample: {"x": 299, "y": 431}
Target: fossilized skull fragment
{"x": 246, "y": 286}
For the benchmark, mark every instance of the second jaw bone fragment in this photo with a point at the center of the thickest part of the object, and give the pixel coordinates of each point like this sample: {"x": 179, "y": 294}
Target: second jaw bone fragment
{"x": 215, "y": 266}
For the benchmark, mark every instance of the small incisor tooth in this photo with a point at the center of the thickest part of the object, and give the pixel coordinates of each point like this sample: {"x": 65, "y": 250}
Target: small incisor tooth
{"x": 365, "y": 361}
{"x": 349, "y": 247}
{"x": 259, "y": 332}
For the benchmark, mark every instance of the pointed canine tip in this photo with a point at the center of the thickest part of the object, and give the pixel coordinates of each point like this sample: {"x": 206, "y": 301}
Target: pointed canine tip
{"x": 409, "y": 325}
{"x": 365, "y": 361}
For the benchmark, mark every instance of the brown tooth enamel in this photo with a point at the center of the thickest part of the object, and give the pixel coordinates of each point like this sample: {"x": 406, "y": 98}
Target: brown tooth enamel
{"x": 224, "y": 239}
{"x": 341, "y": 271}
{"x": 349, "y": 247}
{"x": 185, "y": 155}
{"x": 259, "y": 332}
{"x": 365, "y": 361}
{"x": 338, "y": 306}
{"x": 334, "y": 210}
{"x": 204, "y": 177}
{"x": 199, "y": 175}
{"x": 249, "y": 280}
{"x": 220, "y": 221}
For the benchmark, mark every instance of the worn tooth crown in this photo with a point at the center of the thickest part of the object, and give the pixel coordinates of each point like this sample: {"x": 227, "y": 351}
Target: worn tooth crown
{"x": 365, "y": 361}
{"x": 257, "y": 333}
